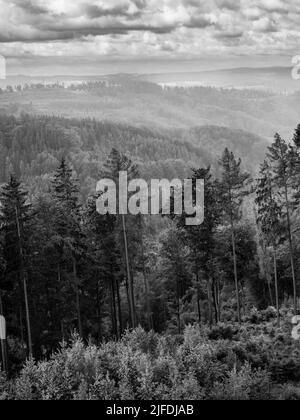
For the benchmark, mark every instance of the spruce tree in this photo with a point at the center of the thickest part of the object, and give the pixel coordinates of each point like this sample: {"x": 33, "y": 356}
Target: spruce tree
{"x": 101, "y": 231}
{"x": 65, "y": 188}
{"x": 282, "y": 161}
{"x": 269, "y": 216}
{"x": 65, "y": 192}
{"x": 14, "y": 222}
{"x": 233, "y": 189}
{"x": 116, "y": 163}
{"x": 201, "y": 241}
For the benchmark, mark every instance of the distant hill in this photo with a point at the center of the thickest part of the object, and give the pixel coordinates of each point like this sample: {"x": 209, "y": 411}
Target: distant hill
{"x": 128, "y": 100}
{"x": 276, "y": 79}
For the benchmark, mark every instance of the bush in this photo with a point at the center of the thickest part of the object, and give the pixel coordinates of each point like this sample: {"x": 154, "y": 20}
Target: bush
{"x": 253, "y": 362}
{"x": 223, "y": 332}
{"x": 290, "y": 393}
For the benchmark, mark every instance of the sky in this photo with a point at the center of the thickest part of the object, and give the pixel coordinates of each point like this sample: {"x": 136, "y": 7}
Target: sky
{"x": 86, "y": 36}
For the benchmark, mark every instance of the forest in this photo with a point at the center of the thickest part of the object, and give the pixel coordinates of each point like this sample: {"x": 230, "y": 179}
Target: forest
{"x": 105, "y": 307}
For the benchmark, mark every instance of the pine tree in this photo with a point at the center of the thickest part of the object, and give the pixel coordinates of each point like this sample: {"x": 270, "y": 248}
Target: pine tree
{"x": 201, "y": 241}
{"x": 296, "y": 138}
{"x": 175, "y": 272}
{"x": 101, "y": 231}
{"x": 14, "y": 220}
{"x": 116, "y": 163}
{"x": 65, "y": 188}
{"x": 281, "y": 158}
{"x": 65, "y": 192}
{"x": 269, "y": 216}
{"x": 233, "y": 189}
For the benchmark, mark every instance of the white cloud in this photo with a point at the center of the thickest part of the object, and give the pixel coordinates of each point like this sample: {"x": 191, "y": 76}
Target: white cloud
{"x": 148, "y": 27}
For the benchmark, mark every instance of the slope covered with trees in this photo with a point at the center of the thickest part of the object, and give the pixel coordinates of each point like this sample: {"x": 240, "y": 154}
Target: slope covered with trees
{"x": 65, "y": 268}
{"x": 32, "y": 147}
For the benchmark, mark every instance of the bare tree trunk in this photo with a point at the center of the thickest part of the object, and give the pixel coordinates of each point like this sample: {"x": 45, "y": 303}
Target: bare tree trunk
{"x": 3, "y": 342}
{"x": 178, "y": 306}
{"x": 236, "y": 275}
{"x": 243, "y": 299}
{"x": 210, "y": 314}
{"x": 218, "y": 299}
{"x": 119, "y": 307}
{"x": 21, "y": 328}
{"x": 270, "y": 293}
{"x": 198, "y": 299}
{"x": 99, "y": 332}
{"x": 276, "y": 286}
{"x": 114, "y": 308}
{"x": 291, "y": 245}
{"x": 62, "y": 328}
{"x": 214, "y": 298}
{"x": 129, "y": 278}
{"x": 77, "y": 298}
{"x": 23, "y": 275}
{"x": 149, "y": 319}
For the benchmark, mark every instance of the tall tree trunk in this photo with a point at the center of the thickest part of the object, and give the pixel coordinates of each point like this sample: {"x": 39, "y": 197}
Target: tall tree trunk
{"x": 113, "y": 313}
{"x": 218, "y": 299}
{"x": 3, "y": 342}
{"x": 291, "y": 245}
{"x": 99, "y": 329}
{"x": 215, "y": 303}
{"x": 270, "y": 293}
{"x": 113, "y": 307}
{"x": 149, "y": 318}
{"x": 128, "y": 300}
{"x": 236, "y": 274}
{"x": 243, "y": 299}
{"x": 210, "y": 314}
{"x": 119, "y": 307}
{"x": 198, "y": 298}
{"x": 129, "y": 278}
{"x": 178, "y": 306}
{"x": 146, "y": 285}
{"x": 23, "y": 275}
{"x": 276, "y": 286}
{"x": 62, "y": 328}
{"x": 77, "y": 299}
{"x": 21, "y": 327}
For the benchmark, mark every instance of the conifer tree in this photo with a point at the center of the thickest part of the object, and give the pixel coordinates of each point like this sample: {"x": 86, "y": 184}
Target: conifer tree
{"x": 296, "y": 137}
{"x": 65, "y": 188}
{"x": 101, "y": 231}
{"x": 233, "y": 189}
{"x": 281, "y": 158}
{"x": 14, "y": 221}
{"x": 269, "y": 216}
{"x": 65, "y": 191}
{"x": 116, "y": 163}
{"x": 201, "y": 241}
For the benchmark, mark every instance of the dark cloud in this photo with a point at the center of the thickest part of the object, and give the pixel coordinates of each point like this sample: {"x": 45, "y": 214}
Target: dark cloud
{"x": 95, "y": 12}
{"x": 200, "y": 22}
{"x": 233, "y": 5}
{"x": 30, "y": 7}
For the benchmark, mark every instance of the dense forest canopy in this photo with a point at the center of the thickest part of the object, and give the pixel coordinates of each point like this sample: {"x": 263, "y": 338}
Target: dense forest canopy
{"x": 32, "y": 146}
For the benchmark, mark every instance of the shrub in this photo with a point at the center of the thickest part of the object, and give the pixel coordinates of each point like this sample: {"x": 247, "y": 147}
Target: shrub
{"x": 253, "y": 362}
{"x": 223, "y": 332}
{"x": 290, "y": 393}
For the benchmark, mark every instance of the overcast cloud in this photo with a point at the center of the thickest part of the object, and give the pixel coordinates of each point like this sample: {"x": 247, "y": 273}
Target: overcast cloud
{"x": 153, "y": 28}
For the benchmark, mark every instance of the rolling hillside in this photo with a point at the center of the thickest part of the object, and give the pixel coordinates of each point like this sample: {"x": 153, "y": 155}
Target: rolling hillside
{"x": 128, "y": 100}
{"x": 31, "y": 147}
